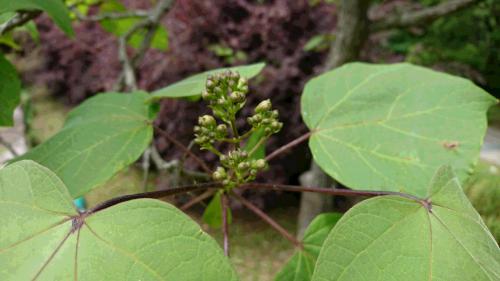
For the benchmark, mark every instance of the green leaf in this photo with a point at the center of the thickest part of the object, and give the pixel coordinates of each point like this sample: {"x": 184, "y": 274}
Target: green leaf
{"x": 119, "y": 27}
{"x": 391, "y": 126}
{"x": 10, "y": 91}
{"x": 393, "y": 238}
{"x": 301, "y": 265}
{"x": 55, "y": 8}
{"x": 103, "y": 135}
{"x": 319, "y": 42}
{"x": 43, "y": 236}
{"x": 253, "y": 140}
{"x": 194, "y": 85}
{"x": 213, "y": 213}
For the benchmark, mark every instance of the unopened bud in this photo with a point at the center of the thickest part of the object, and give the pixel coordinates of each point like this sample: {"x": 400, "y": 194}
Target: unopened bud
{"x": 206, "y": 121}
{"x": 260, "y": 164}
{"x": 263, "y": 106}
{"x": 221, "y": 129}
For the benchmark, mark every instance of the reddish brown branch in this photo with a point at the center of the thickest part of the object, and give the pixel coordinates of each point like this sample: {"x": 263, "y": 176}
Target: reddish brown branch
{"x": 225, "y": 222}
{"x": 288, "y": 146}
{"x": 329, "y": 191}
{"x": 268, "y": 220}
{"x": 152, "y": 194}
{"x": 197, "y": 199}
{"x": 186, "y": 150}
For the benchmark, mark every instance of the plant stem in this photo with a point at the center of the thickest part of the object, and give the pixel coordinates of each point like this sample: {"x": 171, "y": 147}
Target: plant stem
{"x": 9, "y": 147}
{"x": 152, "y": 194}
{"x": 225, "y": 222}
{"x": 235, "y": 130}
{"x": 200, "y": 162}
{"x": 288, "y": 146}
{"x": 268, "y": 219}
{"x": 18, "y": 19}
{"x": 329, "y": 191}
{"x": 197, "y": 199}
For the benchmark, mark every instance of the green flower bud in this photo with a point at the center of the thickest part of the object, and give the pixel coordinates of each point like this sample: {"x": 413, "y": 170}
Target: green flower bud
{"x": 260, "y": 164}
{"x": 219, "y": 174}
{"x": 221, "y": 101}
{"x": 274, "y": 114}
{"x": 263, "y": 106}
{"x": 243, "y": 82}
{"x": 268, "y": 131}
{"x": 226, "y": 182}
{"x": 221, "y": 129}
{"x": 243, "y": 89}
{"x": 206, "y": 95}
{"x": 237, "y": 97}
{"x": 223, "y": 158}
{"x": 243, "y": 166}
{"x": 197, "y": 129}
{"x": 206, "y": 121}
{"x": 218, "y": 91}
{"x": 244, "y": 154}
{"x": 210, "y": 84}
{"x": 266, "y": 121}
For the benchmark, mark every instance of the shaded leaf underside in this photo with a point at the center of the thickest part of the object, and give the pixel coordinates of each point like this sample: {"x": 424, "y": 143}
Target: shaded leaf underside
{"x": 100, "y": 137}
{"x": 44, "y": 238}
{"x": 391, "y": 126}
{"x": 391, "y": 238}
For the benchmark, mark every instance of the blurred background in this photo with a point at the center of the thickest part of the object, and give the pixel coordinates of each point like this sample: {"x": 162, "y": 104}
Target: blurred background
{"x": 295, "y": 39}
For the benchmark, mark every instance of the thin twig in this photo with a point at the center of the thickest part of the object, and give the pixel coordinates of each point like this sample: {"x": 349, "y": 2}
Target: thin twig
{"x": 225, "y": 222}
{"x": 200, "y": 162}
{"x": 288, "y": 146}
{"x": 173, "y": 165}
{"x": 146, "y": 165}
{"x": 256, "y": 146}
{"x": 9, "y": 147}
{"x": 268, "y": 220}
{"x": 153, "y": 194}
{"x": 127, "y": 78}
{"x": 17, "y": 20}
{"x": 112, "y": 15}
{"x": 329, "y": 191}
{"x": 197, "y": 199}
{"x": 421, "y": 16}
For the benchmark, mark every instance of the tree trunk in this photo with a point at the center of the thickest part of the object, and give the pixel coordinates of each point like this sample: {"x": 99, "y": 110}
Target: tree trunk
{"x": 351, "y": 34}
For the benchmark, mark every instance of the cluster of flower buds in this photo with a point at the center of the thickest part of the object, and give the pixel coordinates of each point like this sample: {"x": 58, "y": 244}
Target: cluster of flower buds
{"x": 207, "y": 131}
{"x": 226, "y": 93}
{"x": 245, "y": 169}
{"x": 265, "y": 118}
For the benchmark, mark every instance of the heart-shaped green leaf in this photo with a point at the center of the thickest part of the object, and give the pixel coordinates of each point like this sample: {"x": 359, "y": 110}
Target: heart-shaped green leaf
{"x": 43, "y": 236}
{"x": 55, "y": 8}
{"x": 391, "y": 126}
{"x": 10, "y": 89}
{"x": 103, "y": 135}
{"x": 301, "y": 265}
{"x": 394, "y": 238}
{"x": 194, "y": 85}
